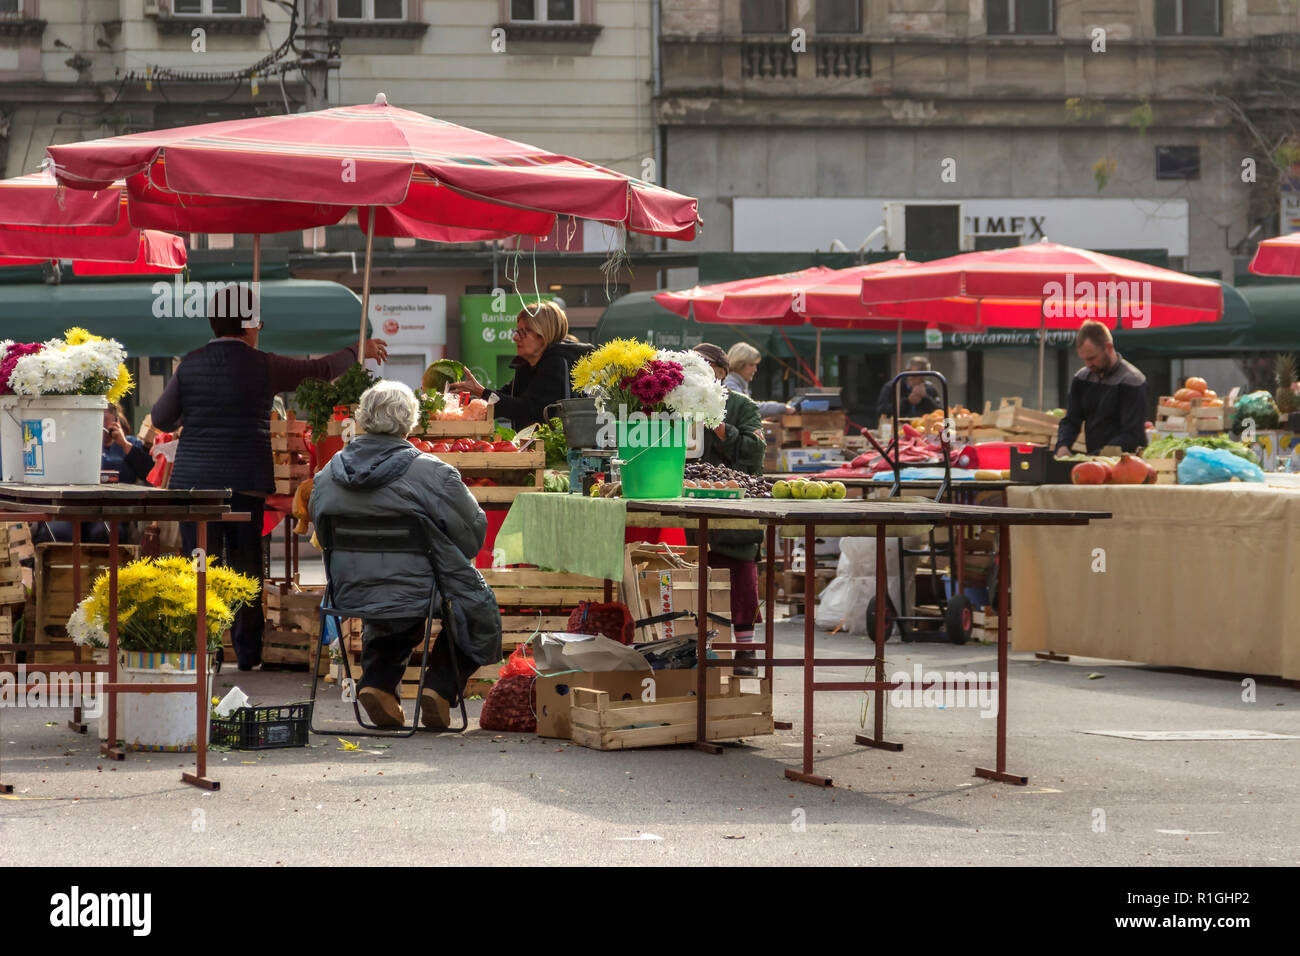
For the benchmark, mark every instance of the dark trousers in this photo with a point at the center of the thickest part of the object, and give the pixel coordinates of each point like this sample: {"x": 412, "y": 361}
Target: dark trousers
{"x": 239, "y": 546}
{"x": 744, "y": 592}
{"x": 386, "y": 648}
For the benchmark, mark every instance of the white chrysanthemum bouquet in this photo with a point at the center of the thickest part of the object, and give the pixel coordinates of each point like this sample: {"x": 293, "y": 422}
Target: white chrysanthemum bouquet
{"x": 631, "y": 375}
{"x": 77, "y": 364}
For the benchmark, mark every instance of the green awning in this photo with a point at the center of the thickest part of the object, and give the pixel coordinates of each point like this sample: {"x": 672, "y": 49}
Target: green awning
{"x": 301, "y": 316}
{"x": 1277, "y": 316}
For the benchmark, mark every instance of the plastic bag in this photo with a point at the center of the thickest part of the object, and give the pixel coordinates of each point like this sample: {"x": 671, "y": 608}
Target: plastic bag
{"x": 857, "y": 570}
{"x": 1206, "y": 466}
{"x": 612, "y": 620}
{"x": 519, "y": 663}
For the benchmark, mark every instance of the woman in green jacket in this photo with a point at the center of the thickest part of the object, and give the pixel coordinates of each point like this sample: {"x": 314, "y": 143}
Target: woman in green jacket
{"x": 737, "y": 443}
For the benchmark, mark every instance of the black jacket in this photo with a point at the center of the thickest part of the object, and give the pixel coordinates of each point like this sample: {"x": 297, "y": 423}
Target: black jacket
{"x": 885, "y": 403}
{"x": 1114, "y": 407}
{"x": 536, "y": 386}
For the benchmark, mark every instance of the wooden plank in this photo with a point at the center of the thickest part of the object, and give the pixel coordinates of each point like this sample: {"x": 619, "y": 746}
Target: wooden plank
{"x": 547, "y": 597}
{"x": 289, "y": 426}
{"x": 594, "y": 710}
{"x": 13, "y": 594}
{"x": 494, "y": 460}
{"x": 10, "y": 573}
{"x": 300, "y": 471}
{"x": 437, "y": 429}
{"x": 528, "y": 577}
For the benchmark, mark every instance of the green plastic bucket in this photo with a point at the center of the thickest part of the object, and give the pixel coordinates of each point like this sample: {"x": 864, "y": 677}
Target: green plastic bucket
{"x": 653, "y": 452}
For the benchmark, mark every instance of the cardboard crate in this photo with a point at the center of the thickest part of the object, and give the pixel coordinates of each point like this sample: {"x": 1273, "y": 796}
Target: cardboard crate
{"x": 602, "y": 723}
{"x": 555, "y": 692}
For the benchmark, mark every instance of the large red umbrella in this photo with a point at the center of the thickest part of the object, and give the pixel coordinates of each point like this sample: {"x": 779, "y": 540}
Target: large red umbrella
{"x": 703, "y": 302}
{"x": 42, "y": 220}
{"x": 1046, "y": 286}
{"x": 407, "y": 174}
{"x": 1279, "y": 256}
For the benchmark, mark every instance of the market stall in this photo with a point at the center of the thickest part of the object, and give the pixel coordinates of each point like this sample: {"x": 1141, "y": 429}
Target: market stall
{"x": 1184, "y": 576}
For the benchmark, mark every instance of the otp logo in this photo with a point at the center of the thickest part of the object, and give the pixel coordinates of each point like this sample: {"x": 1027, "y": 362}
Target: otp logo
{"x": 390, "y": 326}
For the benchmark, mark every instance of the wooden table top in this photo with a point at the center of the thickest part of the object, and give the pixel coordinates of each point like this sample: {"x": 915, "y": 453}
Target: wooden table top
{"x": 115, "y": 500}
{"x": 858, "y": 511}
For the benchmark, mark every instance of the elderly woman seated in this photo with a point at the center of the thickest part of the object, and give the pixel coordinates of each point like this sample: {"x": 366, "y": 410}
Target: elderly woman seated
{"x": 379, "y": 474}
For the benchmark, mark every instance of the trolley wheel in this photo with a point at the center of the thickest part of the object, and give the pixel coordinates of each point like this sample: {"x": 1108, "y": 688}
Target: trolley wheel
{"x": 958, "y": 619}
{"x": 871, "y": 617}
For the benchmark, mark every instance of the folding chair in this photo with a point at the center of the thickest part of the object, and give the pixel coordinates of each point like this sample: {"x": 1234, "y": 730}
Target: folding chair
{"x": 397, "y": 535}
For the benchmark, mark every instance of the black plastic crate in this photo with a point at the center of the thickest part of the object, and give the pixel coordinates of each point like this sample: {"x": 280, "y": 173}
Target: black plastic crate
{"x": 262, "y": 728}
{"x": 1040, "y": 467}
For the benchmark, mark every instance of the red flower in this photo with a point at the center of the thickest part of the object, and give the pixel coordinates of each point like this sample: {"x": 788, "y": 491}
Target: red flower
{"x": 10, "y": 359}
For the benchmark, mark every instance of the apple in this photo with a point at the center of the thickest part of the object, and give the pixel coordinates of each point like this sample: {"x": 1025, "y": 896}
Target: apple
{"x": 838, "y": 490}
{"x": 781, "y": 489}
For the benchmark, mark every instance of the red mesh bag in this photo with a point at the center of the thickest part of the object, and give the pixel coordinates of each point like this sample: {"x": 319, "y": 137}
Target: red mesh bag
{"x": 511, "y": 705}
{"x": 611, "y": 620}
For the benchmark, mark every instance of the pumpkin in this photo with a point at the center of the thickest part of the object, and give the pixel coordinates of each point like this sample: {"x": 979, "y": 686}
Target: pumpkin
{"x": 1089, "y": 473}
{"x": 1129, "y": 470}
{"x": 1196, "y": 384}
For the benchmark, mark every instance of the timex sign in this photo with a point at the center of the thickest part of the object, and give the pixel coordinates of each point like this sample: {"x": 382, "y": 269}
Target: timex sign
{"x": 1030, "y": 227}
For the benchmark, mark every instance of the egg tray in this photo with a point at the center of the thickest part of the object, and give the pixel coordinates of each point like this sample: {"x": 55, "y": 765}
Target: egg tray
{"x": 713, "y": 492}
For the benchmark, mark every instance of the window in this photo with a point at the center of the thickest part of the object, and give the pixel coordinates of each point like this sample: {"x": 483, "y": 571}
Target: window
{"x": 1021, "y": 17}
{"x": 762, "y": 16}
{"x": 839, "y": 16}
{"x": 208, "y": 8}
{"x": 542, "y": 11}
{"x": 371, "y": 9}
{"x": 1187, "y": 17}
{"x": 10, "y": 8}
{"x": 1178, "y": 162}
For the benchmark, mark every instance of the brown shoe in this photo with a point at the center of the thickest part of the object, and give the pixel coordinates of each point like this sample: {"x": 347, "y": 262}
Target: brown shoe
{"x": 383, "y": 708}
{"x": 434, "y": 711}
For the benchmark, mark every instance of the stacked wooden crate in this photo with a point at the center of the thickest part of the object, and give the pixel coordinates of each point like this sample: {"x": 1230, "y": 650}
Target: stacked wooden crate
{"x": 293, "y": 626}
{"x": 15, "y": 544}
{"x": 449, "y": 430}
{"x": 292, "y": 463}
{"x": 55, "y": 595}
{"x": 513, "y": 472}
{"x": 1195, "y": 417}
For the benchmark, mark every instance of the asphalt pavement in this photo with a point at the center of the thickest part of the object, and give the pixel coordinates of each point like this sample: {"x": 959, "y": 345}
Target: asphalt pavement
{"x": 490, "y": 798}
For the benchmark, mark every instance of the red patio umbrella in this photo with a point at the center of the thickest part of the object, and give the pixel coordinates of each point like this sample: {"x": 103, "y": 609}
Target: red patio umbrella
{"x": 702, "y": 302}
{"x": 1279, "y": 256}
{"x": 1044, "y": 286}
{"x": 41, "y": 220}
{"x": 407, "y": 174}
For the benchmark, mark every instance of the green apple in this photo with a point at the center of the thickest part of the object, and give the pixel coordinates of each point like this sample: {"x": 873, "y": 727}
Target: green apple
{"x": 838, "y": 490}
{"x": 781, "y": 489}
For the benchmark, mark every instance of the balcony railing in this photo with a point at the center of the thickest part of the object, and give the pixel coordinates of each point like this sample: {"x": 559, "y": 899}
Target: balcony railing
{"x": 772, "y": 58}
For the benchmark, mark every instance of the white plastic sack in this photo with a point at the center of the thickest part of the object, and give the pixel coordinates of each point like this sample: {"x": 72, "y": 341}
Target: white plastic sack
{"x": 847, "y": 596}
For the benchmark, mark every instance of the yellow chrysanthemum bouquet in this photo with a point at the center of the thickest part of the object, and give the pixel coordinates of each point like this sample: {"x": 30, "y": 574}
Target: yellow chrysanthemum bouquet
{"x": 157, "y": 604}
{"x": 627, "y": 376}
{"x": 77, "y": 364}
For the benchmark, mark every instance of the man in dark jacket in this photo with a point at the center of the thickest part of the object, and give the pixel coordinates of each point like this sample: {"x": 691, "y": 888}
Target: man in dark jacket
{"x": 920, "y": 396}
{"x": 737, "y": 443}
{"x": 222, "y": 395}
{"x": 1108, "y": 393}
{"x": 377, "y": 475}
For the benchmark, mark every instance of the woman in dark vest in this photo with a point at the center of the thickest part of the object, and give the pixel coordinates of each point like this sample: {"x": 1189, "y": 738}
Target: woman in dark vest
{"x": 544, "y": 357}
{"x": 222, "y": 394}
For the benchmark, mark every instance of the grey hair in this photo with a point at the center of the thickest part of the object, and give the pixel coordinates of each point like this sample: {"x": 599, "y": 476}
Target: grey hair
{"x": 388, "y": 408}
{"x": 740, "y": 355}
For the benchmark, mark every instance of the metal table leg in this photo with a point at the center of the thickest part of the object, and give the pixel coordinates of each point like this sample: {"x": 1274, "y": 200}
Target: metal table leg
{"x": 878, "y": 740}
{"x": 809, "y": 665}
{"x": 109, "y": 747}
{"x": 77, "y": 724}
{"x": 1004, "y": 571}
{"x": 769, "y": 620}
{"x": 701, "y": 649}
{"x": 199, "y": 778}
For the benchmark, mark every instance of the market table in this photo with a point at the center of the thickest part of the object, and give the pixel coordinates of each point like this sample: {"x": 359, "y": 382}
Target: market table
{"x": 115, "y": 503}
{"x": 1200, "y": 576}
{"x": 539, "y": 530}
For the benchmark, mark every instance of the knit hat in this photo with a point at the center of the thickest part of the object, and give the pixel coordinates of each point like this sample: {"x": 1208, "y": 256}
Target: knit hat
{"x": 711, "y": 353}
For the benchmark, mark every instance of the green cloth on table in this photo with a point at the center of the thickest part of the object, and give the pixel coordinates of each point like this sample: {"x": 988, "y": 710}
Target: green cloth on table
{"x": 564, "y": 533}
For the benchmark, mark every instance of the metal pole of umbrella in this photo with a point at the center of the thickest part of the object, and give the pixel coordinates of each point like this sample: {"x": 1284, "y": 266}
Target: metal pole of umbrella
{"x": 1042, "y": 346}
{"x": 898, "y": 356}
{"x": 365, "y": 287}
{"x": 257, "y": 277}
{"x": 817, "y": 361}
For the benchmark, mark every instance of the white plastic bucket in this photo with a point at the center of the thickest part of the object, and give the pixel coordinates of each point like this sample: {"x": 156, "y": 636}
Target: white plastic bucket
{"x": 156, "y": 722}
{"x": 60, "y": 439}
{"x": 11, "y": 440}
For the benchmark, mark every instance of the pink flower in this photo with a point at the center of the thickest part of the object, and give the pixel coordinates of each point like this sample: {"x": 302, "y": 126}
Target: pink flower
{"x": 10, "y": 359}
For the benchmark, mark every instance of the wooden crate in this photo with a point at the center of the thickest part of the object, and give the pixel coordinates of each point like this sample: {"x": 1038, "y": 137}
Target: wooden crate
{"x": 821, "y": 438}
{"x": 515, "y": 472}
{"x": 603, "y": 724}
{"x": 6, "y": 636}
{"x": 1166, "y": 468}
{"x": 52, "y": 588}
{"x": 1198, "y": 420}
{"x": 518, "y": 589}
{"x": 293, "y": 626}
{"x": 437, "y": 430}
{"x": 1013, "y": 416}
{"x": 16, "y": 542}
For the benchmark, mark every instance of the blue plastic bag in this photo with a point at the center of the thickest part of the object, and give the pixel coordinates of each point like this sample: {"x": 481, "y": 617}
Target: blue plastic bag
{"x": 1206, "y": 466}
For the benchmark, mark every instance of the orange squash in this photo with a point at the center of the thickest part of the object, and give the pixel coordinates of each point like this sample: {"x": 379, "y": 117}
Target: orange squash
{"x": 1186, "y": 395}
{"x": 1197, "y": 384}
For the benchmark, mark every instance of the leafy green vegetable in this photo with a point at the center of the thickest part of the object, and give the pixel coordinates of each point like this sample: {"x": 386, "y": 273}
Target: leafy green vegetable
{"x": 430, "y": 404}
{"x": 441, "y": 373}
{"x": 552, "y": 435}
{"x": 1258, "y": 406}
{"x": 317, "y": 399}
{"x": 1166, "y": 447}
{"x": 556, "y": 481}
{"x": 503, "y": 433}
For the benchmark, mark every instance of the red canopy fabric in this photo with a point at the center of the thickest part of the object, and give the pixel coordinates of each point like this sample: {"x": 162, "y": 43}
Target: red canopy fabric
{"x": 37, "y": 200}
{"x": 1279, "y": 256}
{"x": 313, "y": 167}
{"x": 1044, "y": 283}
{"x": 139, "y": 253}
{"x": 702, "y": 302}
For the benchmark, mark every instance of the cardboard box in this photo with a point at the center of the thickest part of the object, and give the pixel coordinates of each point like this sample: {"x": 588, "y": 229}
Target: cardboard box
{"x": 811, "y": 459}
{"x": 555, "y": 693}
{"x": 815, "y": 421}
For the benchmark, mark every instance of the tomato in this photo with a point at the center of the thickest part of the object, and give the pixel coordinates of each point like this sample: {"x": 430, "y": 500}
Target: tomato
{"x": 461, "y": 445}
{"x": 440, "y": 447}
{"x": 482, "y": 446}
{"x": 504, "y": 446}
